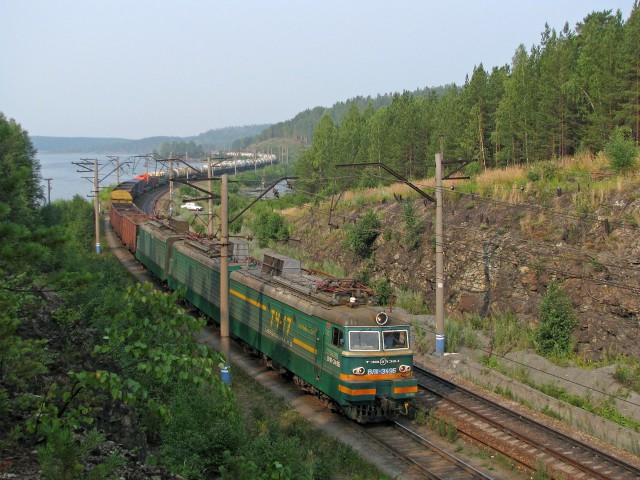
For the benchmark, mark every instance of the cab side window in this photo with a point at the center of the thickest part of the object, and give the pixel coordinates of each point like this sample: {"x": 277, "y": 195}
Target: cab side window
{"x": 395, "y": 339}
{"x": 337, "y": 337}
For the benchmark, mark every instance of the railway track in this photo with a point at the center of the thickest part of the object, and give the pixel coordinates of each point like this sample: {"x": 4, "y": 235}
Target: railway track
{"x": 416, "y": 457}
{"x": 531, "y": 444}
{"x": 147, "y": 201}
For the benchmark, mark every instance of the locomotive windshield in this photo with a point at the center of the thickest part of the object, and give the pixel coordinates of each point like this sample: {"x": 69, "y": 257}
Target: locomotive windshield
{"x": 364, "y": 340}
{"x": 395, "y": 339}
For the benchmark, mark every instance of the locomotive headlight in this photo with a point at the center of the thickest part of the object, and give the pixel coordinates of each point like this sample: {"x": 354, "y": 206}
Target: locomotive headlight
{"x": 358, "y": 371}
{"x": 405, "y": 368}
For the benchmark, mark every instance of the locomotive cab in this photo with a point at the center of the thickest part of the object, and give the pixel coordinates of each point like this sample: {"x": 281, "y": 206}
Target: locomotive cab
{"x": 377, "y": 380}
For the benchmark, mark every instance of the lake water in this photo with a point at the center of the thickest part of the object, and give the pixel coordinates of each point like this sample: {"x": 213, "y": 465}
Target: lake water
{"x": 66, "y": 181}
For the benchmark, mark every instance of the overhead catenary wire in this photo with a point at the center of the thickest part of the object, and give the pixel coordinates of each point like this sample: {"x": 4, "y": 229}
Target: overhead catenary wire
{"x": 530, "y": 206}
{"x": 559, "y": 272}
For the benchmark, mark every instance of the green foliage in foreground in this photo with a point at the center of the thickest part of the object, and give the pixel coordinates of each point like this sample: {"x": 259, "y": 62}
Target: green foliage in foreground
{"x": 79, "y": 342}
{"x": 202, "y": 427}
{"x": 61, "y": 457}
{"x": 281, "y": 444}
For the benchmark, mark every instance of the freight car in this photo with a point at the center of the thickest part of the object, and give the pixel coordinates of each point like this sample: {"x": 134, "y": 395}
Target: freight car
{"x": 325, "y": 332}
{"x": 125, "y": 218}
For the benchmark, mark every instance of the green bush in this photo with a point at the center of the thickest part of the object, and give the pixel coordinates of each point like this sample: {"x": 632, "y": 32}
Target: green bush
{"x": 61, "y": 456}
{"x": 269, "y": 227}
{"x": 414, "y": 227}
{"x": 622, "y": 151}
{"x": 533, "y": 175}
{"x": 628, "y": 375}
{"x": 474, "y": 168}
{"x": 383, "y": 291}
{"x": 553, "y": 336}
{"x": 508, "y": 333}
{"x": 280, "y": 456}
{"x": 453, "y": 336}
{"x": 361, "y": 235}
{"x": 412, "y": 302}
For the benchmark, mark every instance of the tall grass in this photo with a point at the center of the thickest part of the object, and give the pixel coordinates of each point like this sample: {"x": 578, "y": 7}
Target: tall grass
{"x": 628, "y": 372}
{"x": 412, "y": 302}
{"x": 508, "y": 333}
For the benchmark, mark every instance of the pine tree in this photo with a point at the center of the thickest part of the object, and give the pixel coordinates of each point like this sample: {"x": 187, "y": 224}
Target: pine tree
{"x": 514, "y": 115}
{"x": 596, "y": 82}
{"x": 475, "y": 139}
{"x": 630, "y": 71}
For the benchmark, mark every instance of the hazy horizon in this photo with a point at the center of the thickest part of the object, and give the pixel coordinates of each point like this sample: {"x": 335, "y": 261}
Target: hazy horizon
{"x": 142, "y": 69}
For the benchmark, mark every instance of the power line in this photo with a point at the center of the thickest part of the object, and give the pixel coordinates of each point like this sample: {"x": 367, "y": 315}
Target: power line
{"x": 475, "y": 196}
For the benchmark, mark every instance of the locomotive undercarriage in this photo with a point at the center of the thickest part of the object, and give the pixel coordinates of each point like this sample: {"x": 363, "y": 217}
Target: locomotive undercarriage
{"x": 383, "y": 410}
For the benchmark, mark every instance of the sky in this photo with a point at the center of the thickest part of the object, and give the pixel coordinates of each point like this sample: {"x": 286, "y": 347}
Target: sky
{"x": 141, "y": 68}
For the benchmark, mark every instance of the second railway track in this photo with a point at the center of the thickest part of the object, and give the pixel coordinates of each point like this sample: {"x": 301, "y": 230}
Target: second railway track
{"x": 418, "y": 457}
{"x": 530, "y": 443}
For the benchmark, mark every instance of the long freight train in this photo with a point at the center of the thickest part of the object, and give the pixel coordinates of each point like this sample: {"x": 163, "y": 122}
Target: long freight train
{"x": 325, "y": 332}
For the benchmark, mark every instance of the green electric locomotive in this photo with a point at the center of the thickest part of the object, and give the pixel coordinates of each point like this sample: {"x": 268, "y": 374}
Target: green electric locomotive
{"x": 325, "y": 332}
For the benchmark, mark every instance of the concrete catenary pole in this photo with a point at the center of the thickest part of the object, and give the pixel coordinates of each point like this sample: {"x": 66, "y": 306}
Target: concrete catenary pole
{"x": 210, "y": 174}
{"x": 171, "y": 186}
{"x": 224, "y": 271}
{"x": 440, "y": 338}
{"x": 96, "y": 203}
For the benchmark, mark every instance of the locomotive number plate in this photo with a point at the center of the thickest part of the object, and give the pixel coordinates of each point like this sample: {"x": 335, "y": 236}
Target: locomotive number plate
{"x": 381, "y": 371}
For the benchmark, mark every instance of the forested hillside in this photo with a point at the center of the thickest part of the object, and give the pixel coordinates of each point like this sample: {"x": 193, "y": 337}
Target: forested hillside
{"x": 564, "y": 95}
{"x": 301, "y": 126}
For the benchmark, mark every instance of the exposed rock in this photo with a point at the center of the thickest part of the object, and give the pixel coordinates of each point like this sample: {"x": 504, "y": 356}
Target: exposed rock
{"x": 501, "y": 258}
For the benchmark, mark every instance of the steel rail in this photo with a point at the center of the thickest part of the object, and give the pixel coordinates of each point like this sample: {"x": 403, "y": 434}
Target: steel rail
{"x": 602, "y": 469}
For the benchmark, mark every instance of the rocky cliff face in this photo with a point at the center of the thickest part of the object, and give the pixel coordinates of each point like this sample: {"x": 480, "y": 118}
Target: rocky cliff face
{"x": 501, "y": 257}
